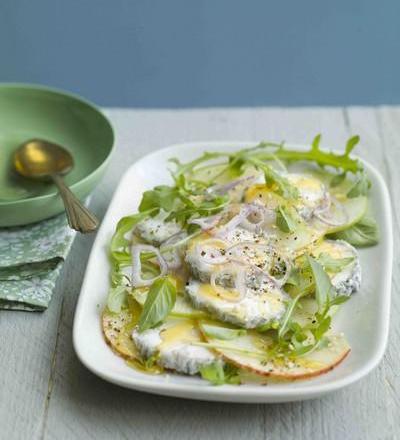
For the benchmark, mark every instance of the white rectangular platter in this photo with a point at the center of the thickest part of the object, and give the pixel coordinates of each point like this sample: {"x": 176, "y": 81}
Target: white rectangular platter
{"x": 364, "y": 319}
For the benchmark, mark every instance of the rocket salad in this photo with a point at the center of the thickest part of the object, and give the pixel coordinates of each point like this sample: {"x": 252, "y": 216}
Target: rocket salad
{"x": 236, "y": 269}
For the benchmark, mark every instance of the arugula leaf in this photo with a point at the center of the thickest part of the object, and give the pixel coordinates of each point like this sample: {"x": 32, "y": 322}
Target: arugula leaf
{"x": 287, "y": 190}
{"x": 318, "y": 344}
{"x": 323, "y": 285}
{"x": 217, "y": 374}
{"x": 288, "y": 314}
{"x": 323, "y": 158}
{"x": 337, "y": 180}
{"x": 267, "y": 151}
{"x": 202, "y": 208}
{"x": 323, "y": 327}
{"x": 292, "y": 337}
{"x": 160, "y": 197}
{"x": 232, "y": 374}
{"x": 190, "y": 166}
{"x": 300, "y": 278}
{"x": 126, "y": 224}
{"x": 285, "y": 220}
{"x": 224, "y": 333}
{"x": 315, "y": 143}
{"x": 363, "y": 233}
{"x": 360, "y": 187}
{"x": 159, "y": 302}
{"x": 272, "y": 325}
{"x": 351, "y": 143}
{"x": 333, "y": 264}
{"x": 339, "y": 299}
{"x": 151, "y": 361}
{"x": 120, "y": 257}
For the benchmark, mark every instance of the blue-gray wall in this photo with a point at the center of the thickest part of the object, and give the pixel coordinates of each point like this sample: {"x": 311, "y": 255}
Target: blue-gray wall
{"x": 172, "y": 53}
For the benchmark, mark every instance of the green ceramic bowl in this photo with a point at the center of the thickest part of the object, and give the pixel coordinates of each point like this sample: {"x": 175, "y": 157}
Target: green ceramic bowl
{"x": 30, "y": 111}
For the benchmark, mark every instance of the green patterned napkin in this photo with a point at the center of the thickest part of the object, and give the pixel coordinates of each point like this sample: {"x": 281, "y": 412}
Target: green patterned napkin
{"x": 30, "y": 262}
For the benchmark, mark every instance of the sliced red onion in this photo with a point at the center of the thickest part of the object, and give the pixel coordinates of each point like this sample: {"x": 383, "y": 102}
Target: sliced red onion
{"x": 322, "y": 215}
{"x": 266, "y": 217}
{"x": 239, "y": 277}
{"x": 254, "y": 226}
{"x": 137, "y": 250}
{"x": 221, "y": 189}
{"x": 233, "y": 222}
{"x": 206, "y": 223}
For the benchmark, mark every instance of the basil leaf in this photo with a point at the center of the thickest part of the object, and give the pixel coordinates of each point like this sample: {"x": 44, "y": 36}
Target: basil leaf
{"x": 159, "y": 302}
{"x": 217, "y": 374}
{"x": 323, "y": 285}
{"x": 284, "y": 220}
{"x": 363, "y": 233}
{"x": 333, "y": 264}
{"x": 224, "y": 333}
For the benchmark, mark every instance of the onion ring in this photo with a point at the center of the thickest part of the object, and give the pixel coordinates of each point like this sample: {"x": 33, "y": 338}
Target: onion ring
{"x": 282, "y": 281}
{"x": 206, "y": 223}
{"x": 137, "y": 280}
{"x": 233, "y": 222}
{"x": 239, "y": 277}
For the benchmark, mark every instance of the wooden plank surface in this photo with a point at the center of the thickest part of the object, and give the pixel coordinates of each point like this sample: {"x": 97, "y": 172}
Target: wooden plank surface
{"x": 45, "y": 393}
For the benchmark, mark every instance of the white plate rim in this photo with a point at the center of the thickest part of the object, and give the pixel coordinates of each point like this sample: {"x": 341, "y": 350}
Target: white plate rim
{"x": 231, "y": 393}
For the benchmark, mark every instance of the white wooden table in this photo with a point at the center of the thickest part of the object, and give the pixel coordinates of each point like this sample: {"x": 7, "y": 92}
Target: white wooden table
{"x": 45, "y": 393}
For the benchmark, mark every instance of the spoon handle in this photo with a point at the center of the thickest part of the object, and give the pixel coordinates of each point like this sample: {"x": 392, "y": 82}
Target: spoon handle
{"x": 79, "y": 218}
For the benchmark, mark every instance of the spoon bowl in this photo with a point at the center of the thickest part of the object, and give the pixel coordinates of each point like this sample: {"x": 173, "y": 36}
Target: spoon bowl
{"x": 40, "y": 159}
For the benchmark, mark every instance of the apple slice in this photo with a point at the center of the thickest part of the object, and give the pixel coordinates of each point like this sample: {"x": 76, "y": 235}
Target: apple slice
{"x": 117, "y": 329}
{"x": 246, "y": 352}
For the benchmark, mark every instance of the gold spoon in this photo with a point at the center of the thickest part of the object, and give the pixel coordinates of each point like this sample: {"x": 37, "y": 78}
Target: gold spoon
{"x": 39, "y": 159}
